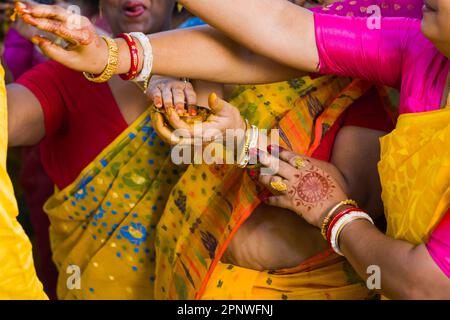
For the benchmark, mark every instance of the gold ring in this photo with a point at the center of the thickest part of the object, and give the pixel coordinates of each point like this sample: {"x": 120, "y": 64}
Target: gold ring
{"x": 279, "y": 186}
{"x": 300, "y": 163}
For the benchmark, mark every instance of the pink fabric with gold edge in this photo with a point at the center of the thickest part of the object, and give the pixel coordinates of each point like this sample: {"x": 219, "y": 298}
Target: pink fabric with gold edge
{"x": 388, "y": 8}
{"x": 396, "y": 55}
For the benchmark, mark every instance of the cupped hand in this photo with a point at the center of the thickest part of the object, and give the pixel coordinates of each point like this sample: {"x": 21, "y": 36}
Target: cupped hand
{"x": 86, "y": 50}
{"x": 172, "y": 93}
{"x": 223, "y": 116}
{"x": 301, "y": 184}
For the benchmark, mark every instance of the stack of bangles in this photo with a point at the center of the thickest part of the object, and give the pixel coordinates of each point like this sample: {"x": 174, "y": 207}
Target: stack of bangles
{"x": 337, "y": 218}
{"x": 113, "y": 60}
{"x": 249, "y": 147}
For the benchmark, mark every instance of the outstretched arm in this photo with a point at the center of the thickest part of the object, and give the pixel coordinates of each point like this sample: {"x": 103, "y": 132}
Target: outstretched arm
{"x": 207, "y": 54}
{"x": 277, "y": 29}
{"x": 202, "y": 53}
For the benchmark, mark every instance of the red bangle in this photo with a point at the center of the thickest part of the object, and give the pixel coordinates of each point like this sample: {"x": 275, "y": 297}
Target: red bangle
{"x": 336, "y": 218}
{"x": 134, "y": 53}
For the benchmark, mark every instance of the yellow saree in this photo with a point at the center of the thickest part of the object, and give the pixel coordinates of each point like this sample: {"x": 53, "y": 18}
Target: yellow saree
{"x": 209, "y": 204}
{"x": 137, "y": 226}
{"x": 18, "y": 278}
{"x": 415, "y": 174}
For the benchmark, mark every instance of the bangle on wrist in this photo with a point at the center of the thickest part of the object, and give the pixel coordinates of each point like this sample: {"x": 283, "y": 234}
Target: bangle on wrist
{"x": 335, "y": 219}
{"x": 147, "y": 66}
{"x": 340, "y": 224}
{"x": 134, "y": 55}
{"x": 331, "y": 213}
{"x": 251, "y": 143}
{"x": 244, "y": 146}
{"x": 111, "y": 66}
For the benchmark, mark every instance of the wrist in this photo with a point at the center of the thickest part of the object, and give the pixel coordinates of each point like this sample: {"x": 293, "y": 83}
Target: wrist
{"x": 326, "y": 214}
{"x": 350, "y": 228}
{"x": 124, "y": 56}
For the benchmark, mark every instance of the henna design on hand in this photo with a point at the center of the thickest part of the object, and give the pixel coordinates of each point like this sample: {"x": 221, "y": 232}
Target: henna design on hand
{"x": 312, "y": 188}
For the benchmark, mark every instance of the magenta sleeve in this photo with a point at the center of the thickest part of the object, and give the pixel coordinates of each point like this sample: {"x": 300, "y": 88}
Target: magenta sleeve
{"x": 18, "y": 53}
{"x": 348, "y": 47}
{"x": 439, "y": 245}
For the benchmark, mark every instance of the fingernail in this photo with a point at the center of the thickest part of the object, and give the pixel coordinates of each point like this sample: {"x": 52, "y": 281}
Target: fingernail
{"x": 179, "y": 108}
{"x": 192, "y": 111}
{"x": 22, "y": 7}
{"x": 158, "y": 102}
{"x": 38, "y": 40}
{"x": 212, "y": 99}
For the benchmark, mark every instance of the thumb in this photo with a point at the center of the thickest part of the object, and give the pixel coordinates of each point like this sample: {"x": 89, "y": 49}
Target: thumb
{"x": 51, "y": 50}
{"x": 215, "y": 103}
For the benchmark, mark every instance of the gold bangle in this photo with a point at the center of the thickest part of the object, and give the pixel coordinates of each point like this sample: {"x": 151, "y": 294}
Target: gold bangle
{"x": 111, "y": 67}
{"x": 326, "y": 221}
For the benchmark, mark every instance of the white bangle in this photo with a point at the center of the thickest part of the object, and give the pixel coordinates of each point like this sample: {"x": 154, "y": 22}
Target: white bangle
{"x": 147, "y": 66}
{"x": 341, "y": 223}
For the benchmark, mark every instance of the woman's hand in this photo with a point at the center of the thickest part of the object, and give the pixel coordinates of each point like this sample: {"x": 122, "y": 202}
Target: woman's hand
{"x": 172, "y": 93}
{"x": 223, "y": 116}
{"x": 86, "y": 50}
{"x": 304, "y": 185}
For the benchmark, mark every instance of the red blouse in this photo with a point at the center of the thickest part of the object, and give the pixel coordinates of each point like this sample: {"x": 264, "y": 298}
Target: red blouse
{"x": 81, "y": 119}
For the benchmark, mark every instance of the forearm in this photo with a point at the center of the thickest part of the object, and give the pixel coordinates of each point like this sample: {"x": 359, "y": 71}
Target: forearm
{"x": 277, "y": 29}
{"x": 204, "y": 53}
{"x": 407, "y": 271}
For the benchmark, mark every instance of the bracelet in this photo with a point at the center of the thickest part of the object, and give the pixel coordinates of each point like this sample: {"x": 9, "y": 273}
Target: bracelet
{"x": 335, "y": 219}
{"x": 326, "y": 221}
{"x": 144, "y": 75}
{"x": 245, "y": 146}
{"x": 134, "y": 53}
{"x": 339, "y": 226}
{"x": 111, "y": 67}
{"x": 253, "y": 145}
{"x": 250, "y": 143}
